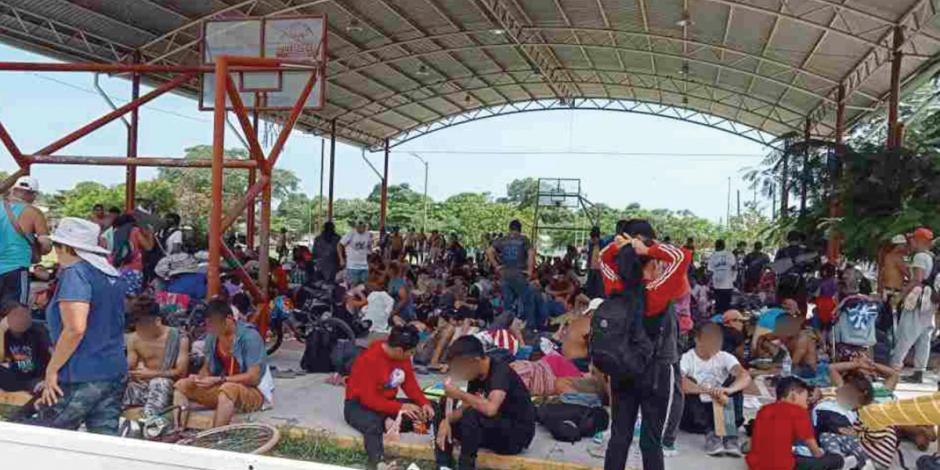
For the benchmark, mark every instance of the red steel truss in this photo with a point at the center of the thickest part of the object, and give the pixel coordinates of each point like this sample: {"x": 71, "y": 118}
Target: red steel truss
{"x": 260, "y": 165}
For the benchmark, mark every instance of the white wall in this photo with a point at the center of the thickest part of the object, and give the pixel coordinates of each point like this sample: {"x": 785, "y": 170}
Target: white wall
{"x": 34, "y": 448}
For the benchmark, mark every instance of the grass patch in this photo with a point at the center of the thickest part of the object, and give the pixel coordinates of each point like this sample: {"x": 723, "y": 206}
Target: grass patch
{"x": 321, "y": 448}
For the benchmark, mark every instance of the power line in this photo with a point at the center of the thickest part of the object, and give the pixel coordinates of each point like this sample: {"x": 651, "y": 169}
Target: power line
{"x": 576, "y": 152}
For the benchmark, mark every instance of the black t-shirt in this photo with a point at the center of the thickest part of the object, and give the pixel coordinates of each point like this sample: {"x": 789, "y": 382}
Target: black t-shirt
{"x": 732, "y": 339}
{"x": 517, "y": 407}
{"x": 28, "y": 353}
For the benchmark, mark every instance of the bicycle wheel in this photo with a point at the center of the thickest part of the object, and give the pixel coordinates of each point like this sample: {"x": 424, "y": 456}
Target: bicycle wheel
{"x": 340, "y": 328}
{"x": 248, "y": 438}
{"x": 274, "y": 337}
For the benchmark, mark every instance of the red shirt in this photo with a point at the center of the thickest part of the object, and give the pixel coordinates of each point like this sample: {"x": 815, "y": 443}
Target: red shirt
{"x": 671, "y": 284}
{"x": 777, "y": 427}
{"x": 376, "y": 378}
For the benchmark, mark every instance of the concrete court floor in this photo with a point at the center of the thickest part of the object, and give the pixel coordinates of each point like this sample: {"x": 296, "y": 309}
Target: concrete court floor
{"x": 307, "y": 401}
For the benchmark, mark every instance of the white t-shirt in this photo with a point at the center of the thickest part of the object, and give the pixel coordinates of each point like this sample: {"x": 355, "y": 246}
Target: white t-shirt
{"x": 174, "y": 243}
{"x": 358, "y": 245}
{"x": 923, "y": 261}
{"x": 378, "y": 310}
{"x": 711, "y": 373}
{"x": 722, "y": 264}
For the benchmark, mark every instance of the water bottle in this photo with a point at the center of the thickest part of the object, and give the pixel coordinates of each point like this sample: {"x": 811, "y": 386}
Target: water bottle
{"x": 786, "y": 369}
{"x": 635, "y": 459}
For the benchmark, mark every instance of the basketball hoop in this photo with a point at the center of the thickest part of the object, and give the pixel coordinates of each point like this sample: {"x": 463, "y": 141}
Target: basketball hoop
{"x": 298, "y": 40}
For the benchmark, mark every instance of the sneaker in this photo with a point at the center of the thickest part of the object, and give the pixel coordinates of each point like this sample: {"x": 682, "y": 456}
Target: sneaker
{"x": 670, "y": 450}
{"x": 850, "y": 462}
{"x": 732, "y": 448}
{"x": 915, "y": 378}
{"x": 713, "y": 445}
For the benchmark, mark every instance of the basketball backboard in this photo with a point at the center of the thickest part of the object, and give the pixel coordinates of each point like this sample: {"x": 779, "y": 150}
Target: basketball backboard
{"x": 559, "y": 192}
{"x": 301, "y": 39}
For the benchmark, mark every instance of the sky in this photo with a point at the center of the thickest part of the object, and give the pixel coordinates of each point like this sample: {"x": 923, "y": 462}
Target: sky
{"x": 620, "y": 158}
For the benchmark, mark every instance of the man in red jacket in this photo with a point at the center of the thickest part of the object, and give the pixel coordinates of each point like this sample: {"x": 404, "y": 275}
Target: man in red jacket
{"x": 372, "y": 390}
{"x": 635, "y": 257}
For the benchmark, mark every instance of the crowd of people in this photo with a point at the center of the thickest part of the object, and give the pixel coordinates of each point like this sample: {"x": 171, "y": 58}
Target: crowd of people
{"x": 667, "y": 337}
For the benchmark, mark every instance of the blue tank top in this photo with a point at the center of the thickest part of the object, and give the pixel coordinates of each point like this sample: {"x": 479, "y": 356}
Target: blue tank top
{"x": 15, "y": 252}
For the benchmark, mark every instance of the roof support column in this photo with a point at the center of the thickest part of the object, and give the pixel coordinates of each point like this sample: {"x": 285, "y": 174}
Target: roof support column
{"x": 252, "y": 179}
{"x": 383, "y": 210}
{"x": 804, "y": 177}
{"x": 834, "y": 246}
{"x": 130, "y": 174}
{"x": 894, "y": 137}
{"x": 784, "y": 183}
{"x": 218, "y": 155}
{"x": 329, "y": 206}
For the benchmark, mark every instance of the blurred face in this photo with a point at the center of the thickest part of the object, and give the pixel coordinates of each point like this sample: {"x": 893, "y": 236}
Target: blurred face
{"x": 849, "y": 396}
{"x": 465, "y": 368}
{"x": 99, "y": 211}
{"x": 400, "y": 354}
{"x": 708, "y": 343}
{"x": 216, "y": 324}
{"x": 147, "y": 327}
{"x": 919, "y": 244}
{"x": 791, "y": 307}
{"x": 24, "y": 195}
{"x": 19, "y": 320}
{"x": 799, "y": 397}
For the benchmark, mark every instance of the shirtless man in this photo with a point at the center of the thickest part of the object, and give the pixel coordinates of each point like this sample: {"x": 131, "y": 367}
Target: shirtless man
{"x": 788, "y": 335}
{"x": 893, "y": 270}
{"x": 157, "y": 355}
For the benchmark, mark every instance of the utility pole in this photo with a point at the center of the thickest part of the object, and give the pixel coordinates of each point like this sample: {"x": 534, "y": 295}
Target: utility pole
{"x": 728, "y": 212}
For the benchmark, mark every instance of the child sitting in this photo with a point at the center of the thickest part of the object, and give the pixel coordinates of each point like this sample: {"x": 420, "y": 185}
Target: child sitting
{"x": 781, "y": 425}
{"x": 835, "y": 419}
{"x": 706, "y": 370}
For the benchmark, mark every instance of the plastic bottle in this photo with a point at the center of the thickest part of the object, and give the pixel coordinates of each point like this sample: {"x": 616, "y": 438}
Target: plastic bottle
{"x": 635, "y": 459}
{"x": 786, "y": 369}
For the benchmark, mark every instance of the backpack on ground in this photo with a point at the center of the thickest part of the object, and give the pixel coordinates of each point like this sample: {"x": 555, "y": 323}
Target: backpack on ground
{"x": 618, "y": 345}
{"x": 318, "y": 348}
{"x": 569, "y": 423}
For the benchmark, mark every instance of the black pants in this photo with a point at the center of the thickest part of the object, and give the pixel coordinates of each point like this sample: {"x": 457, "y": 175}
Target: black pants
{"x": 826, "y": 462}
{"x": 675, "y": 415}
{"x": 594, "y": 287}
{"x": 650, "y": 395}
{"x": 699, "y": 418}
{"x": 722, "y": 300}
{"x": 475, "y": 431}
{"x": 14, "y": 286}
{"x": 372, "y": 426}
{"x": 12, "y": 382}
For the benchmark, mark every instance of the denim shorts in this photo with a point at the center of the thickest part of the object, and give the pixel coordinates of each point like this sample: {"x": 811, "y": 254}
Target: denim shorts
{"x": 97, "y": 405}
{"x": 354, "y": 277}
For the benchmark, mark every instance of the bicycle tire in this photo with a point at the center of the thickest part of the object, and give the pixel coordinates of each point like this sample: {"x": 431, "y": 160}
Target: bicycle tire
{"x": 217, "y": 438}
{"x": 342, "y": 326}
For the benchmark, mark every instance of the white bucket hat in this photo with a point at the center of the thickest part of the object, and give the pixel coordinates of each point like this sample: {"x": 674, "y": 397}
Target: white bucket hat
{"x": 82, "y": 235}
{"x": 27, "y": 183}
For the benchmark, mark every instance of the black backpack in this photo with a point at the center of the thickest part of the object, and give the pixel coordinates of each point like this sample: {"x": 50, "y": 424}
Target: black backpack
{"x": 319, "y": 346}
{"x": 618, "y": 345}
{"x": 569, "y": 423}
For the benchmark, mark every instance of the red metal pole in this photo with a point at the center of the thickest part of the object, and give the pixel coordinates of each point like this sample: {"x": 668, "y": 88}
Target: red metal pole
{"x": 130, "y": 176}
{"x": 244, "y": 63}
{"x": 12, "y": 148}
{"x": 139, "y": 161}
{"x": 103, "y": 120}
{"x": 834, "y": 248}
{"x": 895, "y": 91}
{"x": 250, "y": 130}
{"x": 252, "y": 179}
{"x": 329, "y": 205}
{"x": 383, "y": 208}
{"x": 218, "y": 155}
{"x": 291, "y": 121}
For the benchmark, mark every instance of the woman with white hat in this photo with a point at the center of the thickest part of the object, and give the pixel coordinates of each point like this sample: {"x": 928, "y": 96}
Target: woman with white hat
{"x": 86, "y": 376}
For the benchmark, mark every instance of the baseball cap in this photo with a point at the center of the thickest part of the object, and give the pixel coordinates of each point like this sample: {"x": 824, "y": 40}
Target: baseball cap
{"x": 27, "y": 183}
{"x": 898, "y": 240}
{"x": 923, "y": 234}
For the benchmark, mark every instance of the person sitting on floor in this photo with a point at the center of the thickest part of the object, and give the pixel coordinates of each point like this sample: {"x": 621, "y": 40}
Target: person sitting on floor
{"x": 789, "y": 339}
{"x": 26, "y": 350}
{"x": 712, "y": 377}
{"x": 157, "y": 356}
{"x": 377, "y": 374}
{"x": 496, "y": 411}
{"x": 781, "y": 425}
{"x": 835, "y": 420}
{"x": 235, "y": 375}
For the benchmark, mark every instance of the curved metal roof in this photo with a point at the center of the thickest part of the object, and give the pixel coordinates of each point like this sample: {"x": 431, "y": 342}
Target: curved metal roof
{"x": 402, "y": 68}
